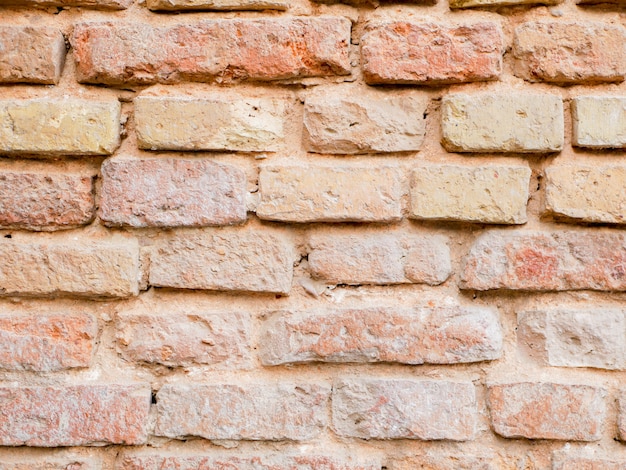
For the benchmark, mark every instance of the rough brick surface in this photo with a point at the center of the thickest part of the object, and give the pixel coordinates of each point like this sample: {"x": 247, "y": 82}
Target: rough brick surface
{"x": 74, "y": 415}
{"x": 527, "y": 123}
{"x": 330, "y": 193}
{"x": 222, "y": 50}
{"x": 96, "y": 4}
{"x": 570, "y": 52}
{"x": 168, "y": 192}
{"x": 599, "y": 121}
{"x": 487, "y": 194}
{"x": 411, "y": 336}
{"x": 45, "y": 201}
{"x": 554, "y": 261}
{"x": 404, "y": 409}
{"x": 378, "y": 258}
{"x": 562, "y": 461}
{"x": 44, "y": 463}
{"x": 431, "y": 53}
{"x": 544, "y": 410}
{"x": 219, "y": 5}
{"x": 498, "y": 3}
{"x": 251, "y": 412}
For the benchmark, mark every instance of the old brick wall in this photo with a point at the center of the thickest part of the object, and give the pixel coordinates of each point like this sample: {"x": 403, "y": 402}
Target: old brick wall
{"x": 281, "y": 234}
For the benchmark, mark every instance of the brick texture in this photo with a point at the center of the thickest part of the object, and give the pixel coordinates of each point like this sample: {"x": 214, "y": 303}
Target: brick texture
{"x": 218, "y": 5}
{"x": 95, "y": 4}
{"x": 574, "y": 462}
{"x": 77, "y": 463}
{"x": 599, "y": 121}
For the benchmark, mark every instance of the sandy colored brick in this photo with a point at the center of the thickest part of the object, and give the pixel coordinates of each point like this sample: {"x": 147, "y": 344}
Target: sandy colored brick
{"x": 444, "y": 461}
{"x": 512, "y": 122}
{"x": 50, "y": 200}
{"x": 59, "y": 127}
{"x": 445, "y": 335}
{"x": 270, "y": 412}
{"x": 571, "y": 461}
{"x": 209, "y": 122}
{"x": 379, "y": 258}
{"x": 74, "y": 415}
{"x": 599, "y": 121}
{"x": 543, "y": 410}
{"x": 95, "y": 4}
{"x": 570, "y": 52}
{"x": 337, "y": 193}
{"x": 621, "y": 417}
{"x": 211, "y": 50}
{"x": 404, "y": 409}
{"x": 486, "y": 194}
{"x": 171, "y": 192}
{"x": 404, "y": 52}
{"x": 218, "y": 5}
{"x": 83, "y": 267}
{"x": 31, "y": 54}
{"x": 226, "y": 259}
{"x": 498, "y": 3}
{"x": 51, "y": 463}
{"x": 352, "y": 121}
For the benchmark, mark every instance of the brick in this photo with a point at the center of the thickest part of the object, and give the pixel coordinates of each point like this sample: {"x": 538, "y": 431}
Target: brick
{"x": 446, "y": 335}
{"x": 219, "y": 5}
{"x": 586, "y": 193}
{"x": 86, "y": 268}
{"x": 498, "y": 3}
{"x": 74, "y": 415}
{"x": 185, "y": 339}
{"x": 46, "y": 342}
{"x": 282, "y": 411}
{"x": 340, "y": 122}
{"x": 404, "y": 409}
{"x": 212, "y": 50}
{"x": 570, "y": 52}
{"x": 379, "y": 258}
{"x": 575, "y": 337}
{"x": 526, "y": 123}
{"x": 402, "y": 52}
{"x": 486, "y": 194}
{"x": 209, "y": 122}
{"x": 337, "y": 193}
{"x": 31, "y": 54}
{"x": 224, "y": 259}
{"x": 171, "y": 192}
{"x": 621, "y": 417}
{"x": 550, "y": 261}
{"x": 95, "y": 4}
{"x": 543, "y": 410}
{"x": 45, "y": 201}
{"x": 45, "y": 463}
{"x": 444, "y": 461}
{"x": 599, "y": 121}
{"x": 565, "y": 461}
{"x": 59, "y": 127}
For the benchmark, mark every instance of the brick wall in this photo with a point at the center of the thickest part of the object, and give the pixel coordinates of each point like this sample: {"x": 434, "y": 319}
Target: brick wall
{"x": 289, "y": 235}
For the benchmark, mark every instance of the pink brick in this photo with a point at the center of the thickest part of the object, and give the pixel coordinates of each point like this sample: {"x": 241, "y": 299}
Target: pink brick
{"x": 43, "y": 462}
{"x": 95, "y": 4}
{"x": 565, "y": 461}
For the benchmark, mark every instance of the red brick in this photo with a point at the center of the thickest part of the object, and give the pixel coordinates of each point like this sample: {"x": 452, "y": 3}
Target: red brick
{"x": 249, "y": 412}
{"x": 74, "y": 415}
{"x": 220, "y": 50}
{"x": 431, "y": 53}
{"x": 551, "y": 261}
{"x": 445, "y": 335}
{"x": 547, "y": 411}
{"x": 167, "y": 192}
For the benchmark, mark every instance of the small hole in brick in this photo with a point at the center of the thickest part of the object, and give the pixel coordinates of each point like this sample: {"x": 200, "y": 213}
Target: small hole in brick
{"x": 154, "y": 398}
{"x": 278, "y": 296}
{"x": 8, "y": 236}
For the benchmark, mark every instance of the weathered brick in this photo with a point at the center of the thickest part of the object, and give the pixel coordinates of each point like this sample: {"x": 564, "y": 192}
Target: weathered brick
{"x": 219, "y": 5}
{"x": 45, "y": 201}
{"x": 621, "y": 418}
{"x": 543, "y": 410}
{"x": 46, "y": 342}
{"x": 74, "y": 415}
{"x": 209, "y": 122}
{"x": 527, "y": 123}
{"x": 52, "y": 463}
{"x": 487, "y": 194}
{"x": 337, "y": 193}
{"x": 551, "y": 261}
{"x": 498, "y": 3}
{"x": 570, "y": 52}
{"x": 31, "y": 54}
{"x": 183, "y": 339}
{"x": 224, "y": 259}
{"x": 571, "y": 461}
{"x": 282, "y": 411}
{"x": 599, "y": 121}
{"x": 59, "y": 127}
{"x": 404, "y": 409}
{"x": 95, "y": 4}
{"x": 379, "y": 258}
{"x": 343, "y": 122}
{"x": 431, "y": 53}
{"x": 169, "y": 192}
{"x": 86, "y": 267}
{"x": 444, "y": 461}
{"x": 445, "y": 335}
{"x": 220, "y": 50}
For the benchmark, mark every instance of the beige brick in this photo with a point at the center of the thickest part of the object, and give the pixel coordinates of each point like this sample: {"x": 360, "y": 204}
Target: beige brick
{"x": 621, "y": 417}
{"x": 565, "y": 460}
{"x": 337, "y": 193}
{"x": 51, "y": 463}
{"x": 599, "y": 121}
{"x": 59, "y": 127}
{"x": 486, "y": 194}
{"x": 95, "y": 4}
{"x": 499, "y": 3}
{"x": 219, "y": 5}
{"x": 527, "y": 123}
{"x": 209, "y": 122}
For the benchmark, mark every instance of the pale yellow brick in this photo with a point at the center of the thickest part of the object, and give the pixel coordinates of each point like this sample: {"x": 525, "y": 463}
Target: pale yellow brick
{"x": 498, "y": 3}
{"x": 599, "y": 121}
{"x": 219, "y": 5}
